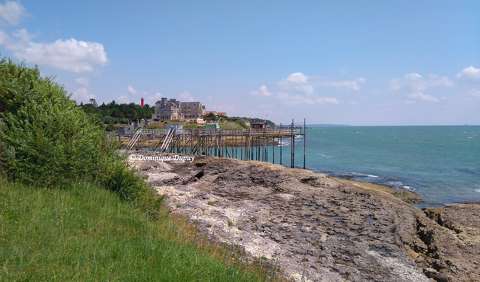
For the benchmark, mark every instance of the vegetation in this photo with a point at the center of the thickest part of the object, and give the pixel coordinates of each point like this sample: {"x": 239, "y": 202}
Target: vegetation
{"x": 70, "y": 207}
{"x": 46, "y": 140}
{"x": 252, "y": 120}
{"x": 83, "y": 233}
{"x": 224, "y": 122}
{"x": 236, "y": 123}
{"x": 113, "y": 113}
{"x": 232, "y": 125}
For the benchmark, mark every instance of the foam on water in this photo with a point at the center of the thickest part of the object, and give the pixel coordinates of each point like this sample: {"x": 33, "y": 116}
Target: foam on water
{"x": 409, "y": 188}
{"x": 324, "y": 155}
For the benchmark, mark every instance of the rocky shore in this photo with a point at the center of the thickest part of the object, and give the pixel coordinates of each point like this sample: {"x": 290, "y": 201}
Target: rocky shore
{"x": 318, "y": 228}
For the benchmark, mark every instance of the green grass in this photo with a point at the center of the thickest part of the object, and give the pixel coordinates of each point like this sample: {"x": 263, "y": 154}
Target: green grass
{"x": 231, "y": 125}
{"x": 85, "y": 233}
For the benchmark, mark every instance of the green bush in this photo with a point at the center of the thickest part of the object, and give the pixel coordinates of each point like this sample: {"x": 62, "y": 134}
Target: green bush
{"x": 47, "y": 140}
{"x": 120, "y": 179}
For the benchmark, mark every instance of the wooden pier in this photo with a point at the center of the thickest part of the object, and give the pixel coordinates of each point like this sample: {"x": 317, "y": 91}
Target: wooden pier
{"x": 267, "y": 145}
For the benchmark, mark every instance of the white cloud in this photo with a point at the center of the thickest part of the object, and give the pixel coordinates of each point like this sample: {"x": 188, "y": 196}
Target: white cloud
{"x": 296, "y": 82}
{"x": 11, "y": 12}
{"x": 3, "y": 38}
{"x": 185, "y": 96}
{"x": 131, "y": 90}
{"x": 353, "y": 85}
{"x": 298, "y": 88}
{"x": 413, "y": 76}
{"x": 475, "y": 93}
{"x": 470, "y": 72}
{"x": 134, "y": 95}
{"x": 152, "y": 99}
{"x": 297, "y": 99}
{"x": 327, "y": 100}
{"x": 70, "y": 55}
{"x": 420, "y": 96}
{"x": 415, "y": 86}
{"x": 297, "y": 77}
{"x": 82, "y": 81}
{"x": 124, "y": 99}
{"x": 299, "y": 82}
{"x": 262, "y": 91}
{"x": 82, "y": 95}
{"x": 439, "y": 81}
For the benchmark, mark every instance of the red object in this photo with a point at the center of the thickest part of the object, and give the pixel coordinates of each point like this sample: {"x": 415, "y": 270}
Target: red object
{"x": 141, "y": 103}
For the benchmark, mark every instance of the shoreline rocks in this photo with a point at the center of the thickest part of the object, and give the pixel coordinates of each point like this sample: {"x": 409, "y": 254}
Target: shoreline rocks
{"x": 319, "y": 228}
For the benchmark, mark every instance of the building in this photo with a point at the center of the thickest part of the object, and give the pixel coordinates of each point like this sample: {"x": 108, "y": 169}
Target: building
{"x": 167, "y": 109}
{"x": 258, "y": 124}
{"x": 200, "y": 121}
{"x": 171, "y": 109}
{"x": 192, "y": 110}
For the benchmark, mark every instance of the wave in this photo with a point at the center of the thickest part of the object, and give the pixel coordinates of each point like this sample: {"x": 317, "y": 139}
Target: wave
{"x": 471, "y": 171}
{"x": 325, "y": 156}
{"x": 409, "y": 188}
{"x": 283, "y": 143}
{"x": 352, "y": 174}
{"x": 375, "y": 179}
{"x": 359, "y": 174}
{"x": 387, "y": 181}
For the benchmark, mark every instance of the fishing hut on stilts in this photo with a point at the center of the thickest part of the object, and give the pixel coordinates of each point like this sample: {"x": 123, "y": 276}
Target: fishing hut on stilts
{"x": 259, "y": 144}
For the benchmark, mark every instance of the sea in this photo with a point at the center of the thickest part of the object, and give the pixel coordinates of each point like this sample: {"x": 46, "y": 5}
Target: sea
{"x": 441, "y": 163}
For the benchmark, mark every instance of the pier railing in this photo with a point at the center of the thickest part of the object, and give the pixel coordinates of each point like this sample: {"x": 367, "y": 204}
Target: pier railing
{"x": 263, "y": 144}
{"x": 160, "y": 132}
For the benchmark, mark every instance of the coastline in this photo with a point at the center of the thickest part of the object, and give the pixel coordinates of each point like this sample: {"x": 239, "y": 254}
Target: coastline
{"x": 408, "y": 195}
{"x": 316, "y": 227}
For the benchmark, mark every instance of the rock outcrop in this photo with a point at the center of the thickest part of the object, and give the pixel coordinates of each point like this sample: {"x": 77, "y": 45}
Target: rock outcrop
{"x": 318, "y": 228}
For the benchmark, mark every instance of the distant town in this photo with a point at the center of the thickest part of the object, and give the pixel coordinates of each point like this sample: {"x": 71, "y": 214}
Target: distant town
{"x": 168, "y": 112}
{"x": 172, "y": 109}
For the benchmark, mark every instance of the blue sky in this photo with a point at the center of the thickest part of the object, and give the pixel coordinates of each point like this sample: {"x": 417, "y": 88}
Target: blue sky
{"x": 349, "y": 62}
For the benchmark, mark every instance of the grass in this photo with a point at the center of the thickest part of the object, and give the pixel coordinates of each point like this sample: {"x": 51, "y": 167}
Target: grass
{"x": 115, "y": 231}
{"x": 85, "y": 233}
{"x": 231, "y": 125}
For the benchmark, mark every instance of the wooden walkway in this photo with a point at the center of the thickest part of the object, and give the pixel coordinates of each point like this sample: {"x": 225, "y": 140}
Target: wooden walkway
{"x": 268, "y": 145}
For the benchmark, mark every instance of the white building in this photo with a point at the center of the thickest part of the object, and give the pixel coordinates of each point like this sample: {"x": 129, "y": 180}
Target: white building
{"x": 171, "y": 109}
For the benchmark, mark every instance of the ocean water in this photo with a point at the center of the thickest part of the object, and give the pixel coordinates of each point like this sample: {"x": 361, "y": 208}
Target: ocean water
{"x": 441, "y": 163}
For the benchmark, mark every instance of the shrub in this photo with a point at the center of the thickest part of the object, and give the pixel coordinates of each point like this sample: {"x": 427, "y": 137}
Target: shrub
{"x": 120, "y": 179}
{"x": 46, "y": 140}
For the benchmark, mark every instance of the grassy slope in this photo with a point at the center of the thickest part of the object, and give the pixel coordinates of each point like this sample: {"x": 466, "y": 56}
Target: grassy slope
{"x": 231, "y": 125}
{"x": 85, "y": 233}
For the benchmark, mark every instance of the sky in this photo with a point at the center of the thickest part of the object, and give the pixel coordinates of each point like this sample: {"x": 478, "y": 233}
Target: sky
{"x": 333, "y": 62}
